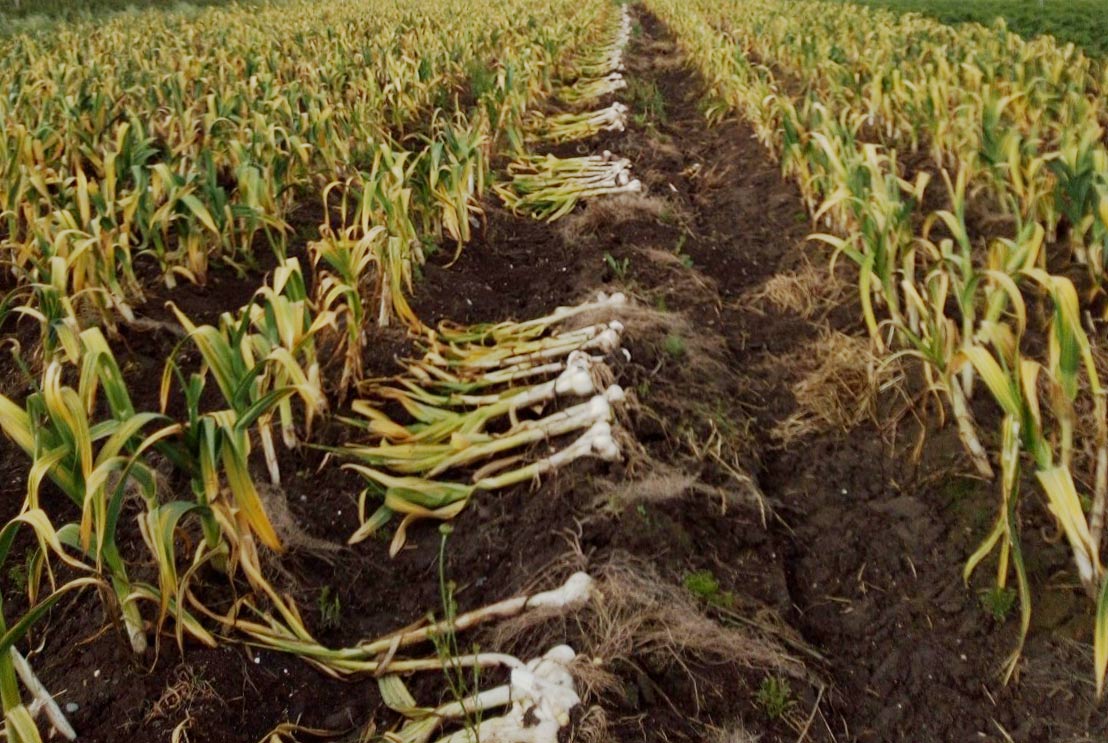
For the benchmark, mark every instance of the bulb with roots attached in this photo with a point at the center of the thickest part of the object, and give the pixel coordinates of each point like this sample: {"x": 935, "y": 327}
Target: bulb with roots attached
{"x": 575, "y": 380}
{"x": 615, "y": 394}
{"x": 607, "y": 341}
{"x": 605, "y": 447}
{"x": 600, "y": 442}
{"x": 617, "y": 299}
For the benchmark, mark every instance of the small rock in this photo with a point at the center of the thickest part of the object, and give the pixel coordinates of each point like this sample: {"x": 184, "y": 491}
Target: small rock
{"x": 72, "y": 707}
{"x": 343, "y": 718}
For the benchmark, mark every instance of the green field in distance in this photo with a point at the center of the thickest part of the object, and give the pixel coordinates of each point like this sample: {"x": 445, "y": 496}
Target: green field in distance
{"x": 1083, "y": 22}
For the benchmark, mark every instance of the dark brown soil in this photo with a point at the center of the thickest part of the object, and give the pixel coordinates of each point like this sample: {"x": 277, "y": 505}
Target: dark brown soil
{"x": 861, "y": 552}
{"x": 518, "y": 269}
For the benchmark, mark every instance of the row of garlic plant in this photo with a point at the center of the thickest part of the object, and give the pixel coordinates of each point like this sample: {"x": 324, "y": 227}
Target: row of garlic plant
{"x": 184, "y": 140}
{"x": 472, "y": 379}
{"x": 268, "y": 360}
{"x": 1024, "y": 119}
{"x": 469, "y": 381}
{"x": 264, "y": 362}
{"x": 547, "y": 187}
{"x": 833, "y": 91}
{"x": 260, "y": 359}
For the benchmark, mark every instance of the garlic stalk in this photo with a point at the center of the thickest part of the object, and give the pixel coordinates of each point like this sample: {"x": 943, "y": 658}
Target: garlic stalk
{"x": 423, "y": 498}
{"x": 548, "y": 188}
{"x": 432, "y": 460}
{"x": 597, "y": 442}
{"x": 42, "y": 698}
{"x": 437, "y": 423}
{"x": 378, "y": 656}
{"x": 525, "y": 330}
{"x": 448, "y": 428}
{"x": 598, "y": 409}
{"x": 573, "y": 126}
{"x": 588, "y": 89}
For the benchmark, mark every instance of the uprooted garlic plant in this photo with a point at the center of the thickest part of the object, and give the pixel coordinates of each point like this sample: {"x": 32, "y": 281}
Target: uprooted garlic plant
{"x": 590, "y": 89}
{"x": 606, "y": 59}
{"x": 547, "y": 187}
{"x": 476, "y": 402}
{"x": 537, "y": 702}
{"x": 570, "y": 127}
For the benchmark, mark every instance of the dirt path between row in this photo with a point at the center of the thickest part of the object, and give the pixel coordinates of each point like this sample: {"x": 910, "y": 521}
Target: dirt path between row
{"x": 762, "y": 537}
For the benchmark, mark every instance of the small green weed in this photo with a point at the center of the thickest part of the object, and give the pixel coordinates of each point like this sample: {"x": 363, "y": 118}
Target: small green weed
{"x": 618, "y": 266}
{"x": 19, "y": 573}
{"x": 774, "y": 697}
{"x": 461, "y": 683}
{"x": 647, "y": 100}
{"x": 674, "y": 345}
{"x": 703, "y": 585}
{"x": 17, "y": 577}
{"x": 330, "y": 608}
{"x": 998, "y": 602}
{"x": 678, "y": 250}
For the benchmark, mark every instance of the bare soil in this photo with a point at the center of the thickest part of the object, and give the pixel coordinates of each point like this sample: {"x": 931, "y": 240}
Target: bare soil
{"x": 840, "y": 546}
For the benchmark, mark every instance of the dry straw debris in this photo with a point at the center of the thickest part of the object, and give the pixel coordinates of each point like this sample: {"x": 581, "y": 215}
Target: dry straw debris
{"x": 639, "y": 619}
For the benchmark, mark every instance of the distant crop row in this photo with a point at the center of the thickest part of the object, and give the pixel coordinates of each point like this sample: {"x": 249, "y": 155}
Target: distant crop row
{"x": 76, "y": 9}
{"x": 182, "y": 142}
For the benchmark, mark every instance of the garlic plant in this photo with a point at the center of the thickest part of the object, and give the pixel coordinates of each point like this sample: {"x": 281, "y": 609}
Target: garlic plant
{"x": 511, "y": 331}
{"x": 570, "y": 127}
{"x": 583, "y": 88}
{"x": 1012, "y": 128}
{"x": 43, "y": 702}
{"x": 188, "y": 143}
{"x": 607, "y": 58}
{"x": 537, "y": 701}
{"x": 548, "y": 188}
{"x": 590, "y": 89}
{"x": 459, "y": 391}
{"x": 287, "y": 633}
